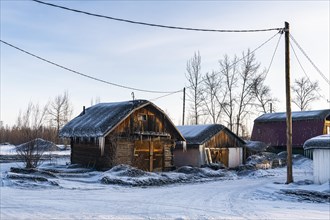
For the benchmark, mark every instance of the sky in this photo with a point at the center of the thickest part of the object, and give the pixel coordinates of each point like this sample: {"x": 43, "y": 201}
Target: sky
{"x": 146, "y": 57}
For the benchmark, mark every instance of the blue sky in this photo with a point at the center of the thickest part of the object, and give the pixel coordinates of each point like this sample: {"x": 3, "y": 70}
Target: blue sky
{"x": 146, "y": 57}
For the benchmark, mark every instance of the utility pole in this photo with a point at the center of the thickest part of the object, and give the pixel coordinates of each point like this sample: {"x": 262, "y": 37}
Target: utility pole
{"x": 288, "y": 105}
{"x": 184, "y": 104}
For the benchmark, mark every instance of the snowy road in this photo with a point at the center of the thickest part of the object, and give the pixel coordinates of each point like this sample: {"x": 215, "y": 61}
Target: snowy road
{"x": 254, "y": 196}
{"x": 230, "y": 199}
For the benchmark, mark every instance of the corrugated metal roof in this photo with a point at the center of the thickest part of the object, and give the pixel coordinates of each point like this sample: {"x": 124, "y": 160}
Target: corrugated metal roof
{"x": 296, "y": 116}
{"x": 199, "y": 134}
{"x": 99, "y": 119}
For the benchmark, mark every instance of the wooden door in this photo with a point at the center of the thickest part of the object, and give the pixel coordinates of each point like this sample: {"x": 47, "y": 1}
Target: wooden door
{"x": 148, "y": 155}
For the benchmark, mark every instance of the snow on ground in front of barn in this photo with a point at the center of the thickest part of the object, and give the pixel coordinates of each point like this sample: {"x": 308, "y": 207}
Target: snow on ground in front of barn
{"x": 79, "y": 193}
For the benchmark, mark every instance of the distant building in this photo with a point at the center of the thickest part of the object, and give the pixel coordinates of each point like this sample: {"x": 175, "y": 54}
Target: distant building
{"x": 320, "y": 146}
{"x": 270, "y": 128}
{"x": 208, "y": 144}
{"x": 136, "y": 133}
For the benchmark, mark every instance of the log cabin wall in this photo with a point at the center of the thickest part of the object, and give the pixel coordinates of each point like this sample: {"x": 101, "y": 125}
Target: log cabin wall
{"x": 141, "y": 140}
{"x": 85, "y": 151}
{"x": 146, "y": 119}
{"x": 120, "y": 130}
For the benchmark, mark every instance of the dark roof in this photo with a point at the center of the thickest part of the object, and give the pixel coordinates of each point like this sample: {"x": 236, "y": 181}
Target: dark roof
{"x": 199, "y": 134}
{"x": 296, "y": 116}
{"x": 101, "y": 118}
{"x": 318, "y": 142}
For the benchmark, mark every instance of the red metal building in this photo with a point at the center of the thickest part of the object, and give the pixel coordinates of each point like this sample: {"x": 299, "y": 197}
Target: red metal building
{"x": 270, "y": 128}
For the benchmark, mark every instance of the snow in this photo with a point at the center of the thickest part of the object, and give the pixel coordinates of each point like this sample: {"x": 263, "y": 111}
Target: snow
{"x": 7, "y": 150}
{"x": 318, "y": 142}
{"x": 298, "y": 115}
{"x": 71, "y": 192}
{"x": 256, "y": 146}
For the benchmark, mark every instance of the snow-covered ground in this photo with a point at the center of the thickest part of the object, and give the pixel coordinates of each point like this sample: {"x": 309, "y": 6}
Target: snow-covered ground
{"x": 67, "y": 192}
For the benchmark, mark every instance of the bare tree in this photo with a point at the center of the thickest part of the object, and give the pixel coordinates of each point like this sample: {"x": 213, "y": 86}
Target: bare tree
{"x": 194, "y": 94}
{"x": 304, "y": 93}
{"x": 30, "y": 126}
{"x": 60, "y": 110}
{"x": 262, "y": 93}
{"x": 227, "y": 103}
{"x": 247, "y": 74}
{"x": 212, "y": 86}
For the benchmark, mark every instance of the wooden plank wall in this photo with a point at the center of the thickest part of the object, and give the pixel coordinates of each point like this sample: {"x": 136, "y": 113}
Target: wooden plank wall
{"x": 86, "y": 154}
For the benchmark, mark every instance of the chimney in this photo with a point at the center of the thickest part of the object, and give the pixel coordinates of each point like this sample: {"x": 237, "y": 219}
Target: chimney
{"x": 84, "y": 110}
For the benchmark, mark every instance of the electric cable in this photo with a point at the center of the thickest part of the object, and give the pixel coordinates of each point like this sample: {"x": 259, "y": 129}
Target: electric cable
{"x": 82, "y": 74}
{"x": 313, "y": 64}
{"x": 294, "y": 52}
{"x": 271, "y": 61}
{"x": 239, "y": 60}
{"x": 151, "y": 24}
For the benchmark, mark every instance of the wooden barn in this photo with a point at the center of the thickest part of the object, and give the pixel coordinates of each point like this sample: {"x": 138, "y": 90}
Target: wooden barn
{"x": 136, "y": 133}
{"x": 270, "y": 128}
{"x": 208, "y": 144}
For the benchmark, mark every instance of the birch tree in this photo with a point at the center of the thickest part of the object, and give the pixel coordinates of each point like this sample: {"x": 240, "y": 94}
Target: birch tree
{"x": 60, "y": 110}
{"x": 194, "y": 88}
{"x": 304, "y": 93}
{"x": 247, "y": 74}
{"x": 212, "y": 86}
{"x": 262, "y": 93}
{"x": 227, "y": 103}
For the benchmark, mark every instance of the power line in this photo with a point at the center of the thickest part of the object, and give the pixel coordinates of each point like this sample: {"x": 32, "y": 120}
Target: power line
{"x": 84, "y": 75}
{"x": 294, "y": 52}
{"x": 151, "y": 24}
{"x": 271, "y": 61}
{"x": 163, "y": 96}
{"x": 261, "y": 45}
{"x": 234, "y": 63}
{"x": 317, "y": 69}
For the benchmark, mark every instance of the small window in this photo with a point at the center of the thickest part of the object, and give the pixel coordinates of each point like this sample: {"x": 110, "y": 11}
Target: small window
{"x": 142, "y": 117}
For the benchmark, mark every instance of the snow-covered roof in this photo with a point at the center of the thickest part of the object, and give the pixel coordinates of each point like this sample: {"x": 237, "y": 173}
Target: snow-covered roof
{"x": 199, "y": 134}
{"x": 296, "y": 116}
{"x": 101, "y": 118}
{"x": 318, "y": 142}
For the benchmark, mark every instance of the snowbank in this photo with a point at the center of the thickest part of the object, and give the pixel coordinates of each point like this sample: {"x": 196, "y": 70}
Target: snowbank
{"x": 130, "y": 176}
{"x": 58, "y": 191}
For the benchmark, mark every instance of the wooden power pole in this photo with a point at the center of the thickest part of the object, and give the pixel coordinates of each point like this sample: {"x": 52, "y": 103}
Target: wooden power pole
{"x": 288, "y": 105}
{"x": 184, "y": 105}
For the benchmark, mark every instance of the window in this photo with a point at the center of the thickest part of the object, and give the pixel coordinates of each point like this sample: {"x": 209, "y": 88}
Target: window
{"x": 142, "y": 117}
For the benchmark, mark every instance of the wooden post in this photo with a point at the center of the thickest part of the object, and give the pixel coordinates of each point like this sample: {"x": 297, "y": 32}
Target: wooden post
{"x": 151, "y": 155}
{"x": 288, "y": 105}
{"x": 184, "y": 103}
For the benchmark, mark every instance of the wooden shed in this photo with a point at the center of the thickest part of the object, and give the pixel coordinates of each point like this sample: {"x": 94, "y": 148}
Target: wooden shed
{"x": 137, "y": 133}
{"x": 208, "y": 144}
{"x": 320, "y": 146}
{"x": 270, "y": 128}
